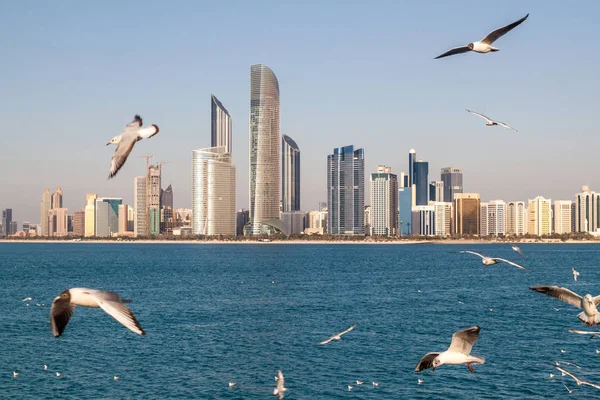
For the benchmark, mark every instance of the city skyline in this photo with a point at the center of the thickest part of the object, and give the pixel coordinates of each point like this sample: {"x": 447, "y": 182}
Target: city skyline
{"x": 557, "y": 112}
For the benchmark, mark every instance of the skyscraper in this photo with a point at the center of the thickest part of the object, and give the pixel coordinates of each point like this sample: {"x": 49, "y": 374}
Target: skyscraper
{"x": 442, "y": 218}
{"x": 562, "y": 216}
{"x": 436, "y": 191}
{"x": 587, "y": 210}
{"x": 453, "y": 182}
{"x": 241, "y": 219}
{"x": 496, "y": 218}
{"x": 45, "y": 206}
{"x": 153, "y": 189}
{"x": 123, "y": 219}
{"x": 412, "y": 157}
{"x": 166, "y": 197}
{"x": 423, "y": 220}
{"x": 265, "y": 150}
{"x": 384, "y": 202}
{"x": 405, "y": 201}
{"x": 6, "y": 220}
{"x": 78, "y": 223}
{"x": 466, "y": 209}
{"x": 139, "y": 203}
{"x": 516, "y": 217}
{"x": 107, "y": 216}
{"x": 483, "y": 219}
{"x": 213, "y": 192}
{"x": 57, "y": 198}
{"x": 90, "y": 214}
{"x": 220, "y": 125}
{"x": 539, "y": 220}
{"x": 346, "y": 191}
{"x": 58, "y": 222}
{"x": 421, "y": 172}
{"x": 290, "y": 174}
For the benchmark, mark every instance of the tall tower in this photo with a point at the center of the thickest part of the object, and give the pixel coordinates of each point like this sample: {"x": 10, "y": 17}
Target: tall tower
{"x": 57, "y": 198}
{"x": 139, "y": 204}
{"x": 421, "y": 176}
{"x": 45, "y": 206}
{"x": 265, "y": 150}
{"x": 153, "y": 199}
{"x": 346, "y": 191}
{"x": 290, "y": 174}
{"x": 412, "y": 157}
{"x": 453, "y": 182}
{"x": 90, "y": 214}
{"x": 384, "y": 202}
{"x": 220, "y": 125}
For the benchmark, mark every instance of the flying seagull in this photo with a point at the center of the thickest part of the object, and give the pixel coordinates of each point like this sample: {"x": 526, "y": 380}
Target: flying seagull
{"x": 518, "y": 250}
{"x": 493, "y": 260}
{"x": 491, "y": 122}
{"x": 577, "y": 380}
{"x": 592, "y": 334}
{"x": 278, "y": 391}
{"x": 64, "y": 305}
{"x": 338, "y": 336}
{"x": 459, "y": 352}
{"x": 485, "y": 44}
{"x": 589, "y": 315}
{"x": 568, "y": 390}
{"x": 126, "y": 140}
{"x": 575, "y": 273}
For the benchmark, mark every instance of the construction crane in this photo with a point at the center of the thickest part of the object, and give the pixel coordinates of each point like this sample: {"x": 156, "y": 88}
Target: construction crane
{"x": 147, "y": 157}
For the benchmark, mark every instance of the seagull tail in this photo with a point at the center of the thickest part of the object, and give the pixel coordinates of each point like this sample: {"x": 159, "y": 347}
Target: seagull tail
{"x": 595, "y": 320}
{"x": 476, "y": 360}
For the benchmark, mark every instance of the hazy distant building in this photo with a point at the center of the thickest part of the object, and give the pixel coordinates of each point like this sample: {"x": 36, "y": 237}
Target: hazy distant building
{"x": 442, "y": 218}
{"x": 574, "y": 217}
{"x": 436, "y": 191}
{"x": 6, "y": 220}
{"x": 412, "y": 157}
{"x": 562, "y": 216}
{"x": 423, "y": 220}
{"x": 495, "y": 218}
{"x": 220, "y": 125}
{"x": 405, "y": 204}
{"x": 13, "y": 227}
{"x": 316, "y": 222}
{"x": 587, "y": 210}
{"x": 294, "y": 221}
{"x": 140, "y": 227}
{"x": 241, "y": 219}
{"x": 123, "y": 222}
{"x": 346, "y": 191}
{"x": 453, "y": 182}
{"x": 58, "y": 222}
{"x": 516, "y": 218}
{"x": 90, "y": 214}
{"x": 107, "y": 216}
{"x": 384, "y": 202}
{"x": 78, "y": 223}
{"x": 166, "y": 197}
{"x": 153, "y": 188}
{"x": 213, "y": 192}
{"x": 368, "y": 220}
{"x": 45, "y": 206}
{"x": 483, "y": 219}
{"x": 57, "y": 198}
{"x": 466, "y": 209}
{"x": 539, "y": 218}
{"x": 265, "y": 151}
{"x": 290, "y": 174}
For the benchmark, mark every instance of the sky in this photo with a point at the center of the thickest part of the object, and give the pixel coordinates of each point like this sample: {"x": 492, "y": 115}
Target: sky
{"x": 73, "y": 74}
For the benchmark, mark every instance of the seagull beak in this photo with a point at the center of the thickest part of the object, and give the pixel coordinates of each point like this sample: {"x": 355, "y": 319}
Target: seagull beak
{"x": 107, "y": 143}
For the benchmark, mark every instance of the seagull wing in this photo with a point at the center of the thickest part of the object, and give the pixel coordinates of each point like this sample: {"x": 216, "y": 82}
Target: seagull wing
{"x": 472, "y": 252}
{"x": 596, "y": 299}
{"x": 329, "y": 339}
{"x": 60, "y": 313}
{"x": 426, "y": 362}
{"x": 135, "y": 124}
{"x": 479, "y": 115}
{"x": 456, "y": 50}
{"x": 564, "y": 371}
{"x": 518, "y": 250}
{"x": 347, "y": 330}
{"x": 111, "y": 303}
{"x": 506, "y": 126}
{"x": 560, "y": 293}
{"x": 583, "y": 332}
{"x": 280, "y": 384}
{"x": 462, "y": 341}
{"x": 511, "y": 263}
{"x": 495, "y": 35}
{"x": 122, "y": 152}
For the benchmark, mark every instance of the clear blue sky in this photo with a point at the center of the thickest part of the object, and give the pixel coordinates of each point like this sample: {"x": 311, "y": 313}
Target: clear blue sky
{"x": 74, "y": 73}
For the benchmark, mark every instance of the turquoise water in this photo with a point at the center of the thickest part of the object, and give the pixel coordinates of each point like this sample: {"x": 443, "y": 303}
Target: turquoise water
{"x": 213, "y": 315}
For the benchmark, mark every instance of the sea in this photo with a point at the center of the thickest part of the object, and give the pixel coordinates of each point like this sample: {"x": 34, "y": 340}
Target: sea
{"x": 220, "y": 313}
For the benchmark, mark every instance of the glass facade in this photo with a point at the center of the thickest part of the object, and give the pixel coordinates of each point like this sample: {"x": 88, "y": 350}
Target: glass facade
{"x": 346, "y": 191}
{"x": 290, "y": 175}
{"x": 220, "y": 125}
{"x": 467, "y": 217}
{"x": 405, "y": 210}
{"x": 421, "y": 169}
{"x": 453, "y": 182}
{"x": 6, "y": 220}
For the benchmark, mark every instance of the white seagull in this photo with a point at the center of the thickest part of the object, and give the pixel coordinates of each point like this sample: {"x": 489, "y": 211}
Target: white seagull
{"x": 577, "y": 380}
{"x": 359, "y": 382}
{"x": 569, "y": 390}
{"x": 589, "y": 315}
{"x": 518, "y": 250}
{"x": 232, "y": 384}
{"x": 338, "y": 336}
{"x": 485, "y": 44}
{"x": 592, "y": 334}
{"x": 350, "y": 387}
{"x": 491, "y": 122}
{"x": 459, "y": 352}
{"x": 493, "y": 260}
{"x": 420, "y": 381}
{"x": 15, "y": 374}
{"x": 64, "y": 305}
{"x": 278, "y": 391}
{"x": 375, "y": 384}
{"x": 575, "y": 273}
{"x": 126, "y": 140}
{"x": 45, "y": 367}
{"x": 27, "y": 299}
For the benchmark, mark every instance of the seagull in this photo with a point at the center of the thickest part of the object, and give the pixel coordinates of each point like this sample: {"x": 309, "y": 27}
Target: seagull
{"x": 484, "y": 45}
{"x": 45, "y": 367}
{"x": 556, "y": 309}
{"x": 577, "y": 380}
{"x": 420, "y": 381}
{"x": 232, "y": 384}
{"x": 593, "y": 334}
{"x": 597, "y": 351}
{"x": 278, "y": 391}
{"x": 569, "y": 390}
{"x": 338, "y": 336}
{"x": 116, "y": 378}
{"x": 459, "y": 352}
{"x": 58, "y": 373}
{"x": 15, "y": 374}
{"x": 491, "y": 122}
{"x": 126, "y": 140}
{"x": 575, "y": 273}
{"x": 493, "y": 260}
{"x": 589, "y": 315}
{"x": 350, "y": 387}
{"x": 27, "y": 299}
{"x": 64, "y": 305}
{"x": 563, "y": 351}
{"x": 359, "y": 382}
{"x": 551, "y": 375}
{"x": 491, "y": 309}
{"x": 375, "y": 384}
{"x": 518, "y": 250}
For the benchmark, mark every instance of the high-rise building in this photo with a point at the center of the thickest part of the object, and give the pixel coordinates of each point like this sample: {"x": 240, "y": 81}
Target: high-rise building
{"x": 220, "y": 125}
{"x": 436, "y": 191}
{"x": 140, "y": 227}
{"x": 587, "y": 210}
{"x": 405, "y": 203}
{"x": 90, "y": 214}
{"x": 483, "y": 219}
{"x": 294, "y": 221}
{"x": 58, "y": 222}
{"x": 123, "y": 219}
{"x": 213, "y": 192}
{"x": 453, "y": 182}
{"x": 442, "y": 218}
{"x": 265, "y": 151}
{"x": 412, "y": 157}
{"x": 346, "y": 191}
{"x": 130, "y": 219}
{"x": 78, "y": 223}
{"x": 241, "y": 219}
{"x": 421, "y": 169}
{"x": 494, "y": 218}
{"x": 368, "y": 220}
{"x": 316, "y": 222}
{"x": 166, "y": 210}
{"x": 46, "y": 205}
{"x": 57, "y": 198}
{"x": 166, "y": 197}
{"x": 290, "y": 174}
{"x": 153, "y": 188}
{"x": 466, "y": 210}
{"x": 384, "y": 202}
{"x": 574, "y": 217}
{"x": 516, "y": 218}
{"x": 423, "y": 220}
{"x": 13, "y": 227}
{"x": 539, "y": 218}
{"x": 6, "y": 220}
{"x": 402, "y": 180}
{"x": 107, "y": 216}
{"x": 562, "y": 216}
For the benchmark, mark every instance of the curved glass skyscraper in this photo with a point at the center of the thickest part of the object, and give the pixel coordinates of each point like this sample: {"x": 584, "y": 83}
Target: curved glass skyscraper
{"x": 265, "y": 150}
{"x": 220, "y": 125}
{"x": 290, "y": 174}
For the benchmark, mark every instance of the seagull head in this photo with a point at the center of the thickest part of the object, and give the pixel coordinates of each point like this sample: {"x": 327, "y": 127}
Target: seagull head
{"x": 588, "y": 298}
{"x": 114, "y": 140}
{"x": 470, "y": 46}
{"x": 65, "y": 295}
{"x": 436, "y": 363}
